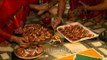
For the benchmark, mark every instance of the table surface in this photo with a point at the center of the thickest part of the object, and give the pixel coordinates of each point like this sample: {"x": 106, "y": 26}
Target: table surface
{"x": 50, "y": 51}
{"x": 54, "y": 52}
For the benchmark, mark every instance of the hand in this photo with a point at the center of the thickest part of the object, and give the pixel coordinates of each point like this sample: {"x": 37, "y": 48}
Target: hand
{"x": 41, "y": 12}
{"x": 44, "y": 8}
{"x": 56, "y": 22}
{"x": 25, "y": 45}
{"x": 85, "y": 5}
{"x": 19, "y": 40}
{"x": 53, "y": 11}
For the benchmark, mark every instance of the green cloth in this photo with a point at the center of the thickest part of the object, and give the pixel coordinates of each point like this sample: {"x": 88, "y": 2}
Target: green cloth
{"x": 82, "y": 57}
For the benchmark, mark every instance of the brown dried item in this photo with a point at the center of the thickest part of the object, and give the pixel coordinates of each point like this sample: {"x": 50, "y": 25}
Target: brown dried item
{"x": 21, "y": 52}
{"x": 75, "y": 32}
{"x": 36, "y": 32}
{"x": 29, "y": 52}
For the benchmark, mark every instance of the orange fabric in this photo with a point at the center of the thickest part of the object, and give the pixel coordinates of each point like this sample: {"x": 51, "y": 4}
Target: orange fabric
{"x": 89, "y": 52}
{"x": 92, "y": 53}
{"x": 71, "y": 57}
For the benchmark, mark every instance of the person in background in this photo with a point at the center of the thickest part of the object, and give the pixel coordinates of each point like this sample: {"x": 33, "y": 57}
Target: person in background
{"x": 61, "y": 8}
{"x": 77, "y": 11}
{"x": 13, "y": 14}
{"x": 44, "y": 6}
{"x": 100, "y": 6}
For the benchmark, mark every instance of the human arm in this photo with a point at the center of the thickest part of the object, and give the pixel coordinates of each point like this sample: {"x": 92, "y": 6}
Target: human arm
{"x": 38, "y": 7}
{"x": 61, "y": 9}
{"x": 52, "y": 3}
{"x": 20, "y": 40}
{"x": 48, "y": 6}
{"x": 101, "y": 6}
{"x": 43, "y": 6}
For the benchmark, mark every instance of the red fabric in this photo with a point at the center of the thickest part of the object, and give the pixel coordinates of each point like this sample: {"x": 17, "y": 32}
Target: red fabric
{"x": 34, "y": 1}
{"x": 8, "y": 9}
{"x": 46, "y": 1}
{"x": 90, "y": 14}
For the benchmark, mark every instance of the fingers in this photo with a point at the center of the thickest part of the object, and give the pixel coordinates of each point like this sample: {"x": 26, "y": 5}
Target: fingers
{"x": 43, "y": 7}
{"x": 24, "y": 45}
{"x": 25, "y": 39}
{"x": 21, "y": 40}
{"x": 24, "y": 42}
{"x": 56, "y": 22}
{"x": 53, "y": 24}
{"x": 41, "y": 12}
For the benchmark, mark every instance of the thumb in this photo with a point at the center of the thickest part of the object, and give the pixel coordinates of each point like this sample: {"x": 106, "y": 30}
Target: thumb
{"x": 24, "y": 40}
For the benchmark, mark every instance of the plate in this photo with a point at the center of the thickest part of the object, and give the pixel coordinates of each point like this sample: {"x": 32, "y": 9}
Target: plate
{"x": 73, "y": 28}
{"x": 32, "y": 57}
{"x": 28, "y": 57}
